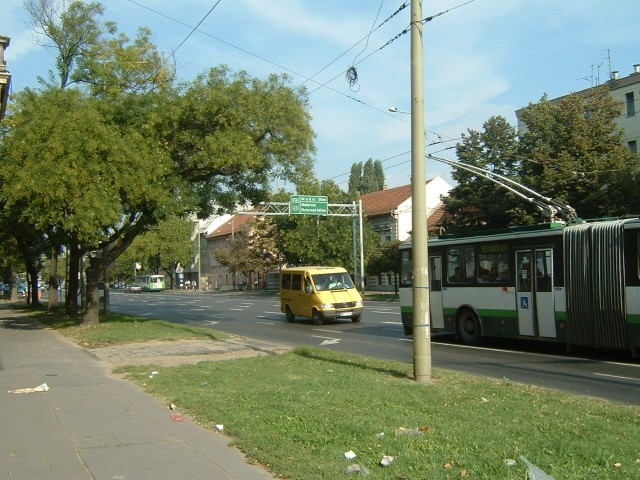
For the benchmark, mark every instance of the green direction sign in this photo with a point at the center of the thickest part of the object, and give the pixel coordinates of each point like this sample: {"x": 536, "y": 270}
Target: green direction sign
{"x": 308, "y": 205}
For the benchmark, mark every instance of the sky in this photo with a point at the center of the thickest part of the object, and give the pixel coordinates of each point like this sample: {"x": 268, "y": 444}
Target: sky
{"x": 480, "y": 57}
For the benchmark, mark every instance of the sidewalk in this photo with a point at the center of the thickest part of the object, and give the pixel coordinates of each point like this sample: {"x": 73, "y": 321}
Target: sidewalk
{"x": 90, "y": 425}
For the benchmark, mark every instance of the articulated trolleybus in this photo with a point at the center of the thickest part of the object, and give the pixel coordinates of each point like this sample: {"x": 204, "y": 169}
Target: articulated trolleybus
{"x": 577, "y": 284}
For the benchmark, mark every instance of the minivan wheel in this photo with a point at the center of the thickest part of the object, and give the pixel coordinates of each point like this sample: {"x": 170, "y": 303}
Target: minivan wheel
{"x": 290, "y": 316}
{"x": 316, "y": 318}
{"x": 356, "y": 318}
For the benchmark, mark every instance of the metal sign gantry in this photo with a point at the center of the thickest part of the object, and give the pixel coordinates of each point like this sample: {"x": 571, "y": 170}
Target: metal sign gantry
{"x": 353, "y": 210}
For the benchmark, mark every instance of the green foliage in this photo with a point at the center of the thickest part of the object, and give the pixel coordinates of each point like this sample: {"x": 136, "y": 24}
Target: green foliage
{"x": 70, "y": 172}
{"x": 117, "y": 329}
{"x": 229, "y": 135}
{"x": 315, "y": 239}
{"x": 96, "y": 166}
{"x": 70, "y": 30}
{"x": 571, "y": 151}
{"x": 160, "y": 248}
{"x": 366, "y": 178}
{"x": 385, "y": 259}
{"x": 238, "y": 257}
{"x": 476, "y": 202}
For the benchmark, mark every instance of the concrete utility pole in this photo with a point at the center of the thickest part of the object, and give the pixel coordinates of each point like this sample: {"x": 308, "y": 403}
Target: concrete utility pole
{"x": 421, "y": 317}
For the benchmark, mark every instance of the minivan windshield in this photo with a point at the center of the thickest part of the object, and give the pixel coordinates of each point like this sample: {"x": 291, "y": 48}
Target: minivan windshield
{"x": 332, "y": 281}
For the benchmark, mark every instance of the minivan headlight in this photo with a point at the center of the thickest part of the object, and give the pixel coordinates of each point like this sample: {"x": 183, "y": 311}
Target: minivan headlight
{"x": 327, "y": 305}
{"x": 358, "y": 303}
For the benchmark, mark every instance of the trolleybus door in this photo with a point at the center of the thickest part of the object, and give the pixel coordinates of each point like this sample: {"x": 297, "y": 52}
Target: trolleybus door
{"x": 534, "y": 293}
{"x": 435, "y": 297}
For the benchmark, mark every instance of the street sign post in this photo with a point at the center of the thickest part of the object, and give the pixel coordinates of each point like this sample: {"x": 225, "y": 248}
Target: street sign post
{"x": 308, "y": 205}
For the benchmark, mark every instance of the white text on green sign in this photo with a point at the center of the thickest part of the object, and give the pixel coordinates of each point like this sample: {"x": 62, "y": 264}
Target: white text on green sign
{"x": 309, "y": 205}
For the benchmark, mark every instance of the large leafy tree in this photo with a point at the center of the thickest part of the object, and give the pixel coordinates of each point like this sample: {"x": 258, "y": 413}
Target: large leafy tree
{"x": 572, "y": 150}
{"x": 131, "y": 152}
{"x": 76, "y": 177}
{"x": 476, "y": 202}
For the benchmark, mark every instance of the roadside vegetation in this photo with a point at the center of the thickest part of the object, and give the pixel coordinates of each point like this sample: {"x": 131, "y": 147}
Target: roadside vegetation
{"x": 115, "y": 329}
{"x": 299, "y": 413}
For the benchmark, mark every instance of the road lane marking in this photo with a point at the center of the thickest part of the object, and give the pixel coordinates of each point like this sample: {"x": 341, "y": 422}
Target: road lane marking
{"x": 327, "y": 340}
{"x": 616, "y": 376}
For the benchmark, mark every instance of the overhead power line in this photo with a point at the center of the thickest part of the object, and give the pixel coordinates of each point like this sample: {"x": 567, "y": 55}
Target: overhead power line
{"x": 195, "y": 28}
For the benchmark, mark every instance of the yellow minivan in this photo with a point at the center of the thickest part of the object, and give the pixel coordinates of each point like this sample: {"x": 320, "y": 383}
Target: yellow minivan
{"x": 319, "y": 293}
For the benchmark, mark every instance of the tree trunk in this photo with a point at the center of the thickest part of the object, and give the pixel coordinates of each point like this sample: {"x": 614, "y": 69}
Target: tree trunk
{"x": 92, "y": 305}
{"x": 33, "y": 276}
{"x": 106, "y": 307}
{"x": 10, "y": 274}
{"x": 71, "y": 300}
{"x": 53, "y": 281}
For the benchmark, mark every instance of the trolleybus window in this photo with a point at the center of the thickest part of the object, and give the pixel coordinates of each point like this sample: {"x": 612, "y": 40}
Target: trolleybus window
{"x": 406, "y": 268}
{"x": 493, "y": 263}
{"x": 461, "y": 264}
{"x": 543, "y": 270}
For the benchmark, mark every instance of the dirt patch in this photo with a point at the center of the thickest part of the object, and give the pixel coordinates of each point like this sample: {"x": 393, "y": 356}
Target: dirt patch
{"x": 167, "y": 354}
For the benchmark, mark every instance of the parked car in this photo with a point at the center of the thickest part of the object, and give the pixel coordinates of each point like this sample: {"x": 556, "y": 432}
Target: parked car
{"x": 133, "y": 288}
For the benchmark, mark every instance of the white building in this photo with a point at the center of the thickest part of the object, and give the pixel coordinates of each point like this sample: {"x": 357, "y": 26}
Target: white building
{"x": 389, "y": 212}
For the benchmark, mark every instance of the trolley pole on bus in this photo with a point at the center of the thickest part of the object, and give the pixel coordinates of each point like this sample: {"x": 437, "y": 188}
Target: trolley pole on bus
{"x": 419, "y": 232}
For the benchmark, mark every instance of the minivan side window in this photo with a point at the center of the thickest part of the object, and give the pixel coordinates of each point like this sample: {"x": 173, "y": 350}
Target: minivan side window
{"x": 296, "y": 281}
{"x": 286, "y": 281}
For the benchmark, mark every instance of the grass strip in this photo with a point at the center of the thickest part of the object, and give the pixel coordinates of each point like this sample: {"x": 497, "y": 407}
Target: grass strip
{"x": 299, "y": 412}
{"x": 115, "y": 329}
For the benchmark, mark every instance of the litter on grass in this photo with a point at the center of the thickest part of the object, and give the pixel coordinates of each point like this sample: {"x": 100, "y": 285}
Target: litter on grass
{"x": 40, "y": 388}
{"x": 358, "y": 469}
{"x": 219, "y": 427}
{"x": 386, "y": 460}
{"x": 535, "y": 473}
{"x": 413, "y": 432}
{"x": 350, "y": 455}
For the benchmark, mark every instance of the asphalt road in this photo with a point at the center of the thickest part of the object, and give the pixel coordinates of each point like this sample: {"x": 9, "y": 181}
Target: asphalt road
{"x": 610, "y": 375}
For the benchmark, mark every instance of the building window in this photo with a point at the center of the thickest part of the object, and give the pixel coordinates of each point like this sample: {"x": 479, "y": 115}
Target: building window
{"x": 633, "y": 146}
{"x": 631, "y": 107}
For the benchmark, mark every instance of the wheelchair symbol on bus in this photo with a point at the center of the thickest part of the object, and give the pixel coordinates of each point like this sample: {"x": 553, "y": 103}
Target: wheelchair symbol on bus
{"x": 524, "y": 302}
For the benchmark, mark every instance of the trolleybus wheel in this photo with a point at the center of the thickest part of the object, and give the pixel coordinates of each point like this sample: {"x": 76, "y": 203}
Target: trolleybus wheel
{"x": 468, "y": 328}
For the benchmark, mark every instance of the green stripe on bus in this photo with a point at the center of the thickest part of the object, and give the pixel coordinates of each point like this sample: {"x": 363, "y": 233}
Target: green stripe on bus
{"x": 633, "y": 318}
